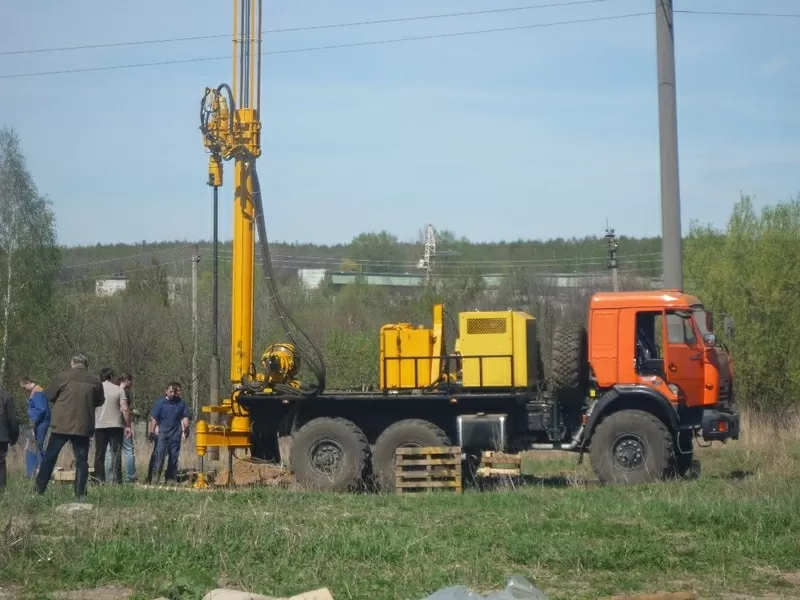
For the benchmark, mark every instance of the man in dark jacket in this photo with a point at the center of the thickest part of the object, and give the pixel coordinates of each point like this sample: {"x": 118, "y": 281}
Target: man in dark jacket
{"x": 9, "y": 431}
{"x": 74, "y": 394}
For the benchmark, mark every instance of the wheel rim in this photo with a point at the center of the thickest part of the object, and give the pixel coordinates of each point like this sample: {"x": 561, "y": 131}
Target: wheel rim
{"x": 629, "y": 452}
{"x": 326, "y": 457}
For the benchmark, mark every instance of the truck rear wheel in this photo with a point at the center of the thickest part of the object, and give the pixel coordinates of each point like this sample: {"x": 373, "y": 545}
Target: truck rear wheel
{"x": 570, "y": 364}
{"x": 414, "y": 433}
{"x": 329, "y": 454}
{"x": 632, "y": 446}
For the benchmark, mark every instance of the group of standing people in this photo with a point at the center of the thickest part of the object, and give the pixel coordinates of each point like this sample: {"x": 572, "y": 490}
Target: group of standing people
{"x": 78, "y": 406}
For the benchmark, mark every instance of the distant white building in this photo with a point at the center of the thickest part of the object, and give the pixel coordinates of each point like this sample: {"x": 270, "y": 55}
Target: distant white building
{"x": 311, "y": 278}
{"x": 110, "y": 286}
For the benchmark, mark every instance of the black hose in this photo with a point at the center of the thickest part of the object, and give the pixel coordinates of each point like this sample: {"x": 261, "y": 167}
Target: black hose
{"x": 317, "y": 366}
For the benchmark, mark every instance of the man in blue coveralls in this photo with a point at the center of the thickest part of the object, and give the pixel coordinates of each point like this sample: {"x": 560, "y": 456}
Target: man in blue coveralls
{"x": 39, "y": 415}
{"x": 170, "y": 422}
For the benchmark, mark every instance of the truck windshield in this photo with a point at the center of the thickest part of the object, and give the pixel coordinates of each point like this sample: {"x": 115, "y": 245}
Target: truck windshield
{"x": 700, "y": 319}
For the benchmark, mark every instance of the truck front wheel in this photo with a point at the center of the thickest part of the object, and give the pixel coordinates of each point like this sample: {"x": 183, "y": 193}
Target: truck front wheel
{"x": 406, "y": 433}
{"x": 330, "y": 454}
{"x": 631, "y": 446}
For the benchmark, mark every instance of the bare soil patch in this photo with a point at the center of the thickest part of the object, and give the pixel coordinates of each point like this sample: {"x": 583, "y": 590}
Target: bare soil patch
{"x": 247, "y": 473}
{"x": 100, "y": 593}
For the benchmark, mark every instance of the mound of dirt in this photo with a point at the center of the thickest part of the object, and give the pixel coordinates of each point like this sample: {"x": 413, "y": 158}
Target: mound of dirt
{"x": 247, "y": 473}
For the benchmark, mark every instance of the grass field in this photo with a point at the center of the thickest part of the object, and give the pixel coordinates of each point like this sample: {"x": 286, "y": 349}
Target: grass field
{"x": 733, "y": 533}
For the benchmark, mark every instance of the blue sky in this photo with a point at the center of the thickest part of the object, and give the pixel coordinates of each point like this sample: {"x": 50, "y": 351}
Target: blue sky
{"x": 534, "y": 133}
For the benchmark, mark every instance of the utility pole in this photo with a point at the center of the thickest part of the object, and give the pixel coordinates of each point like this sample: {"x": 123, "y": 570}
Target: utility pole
{"x": 195, "y": 260}
{"x": 668, "y": 142}
{"x": 611, "y": 240}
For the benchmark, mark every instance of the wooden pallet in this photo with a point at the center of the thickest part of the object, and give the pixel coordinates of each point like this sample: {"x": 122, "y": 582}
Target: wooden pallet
{"x": 427, "y": 469}
{"x": 497, "y": 464}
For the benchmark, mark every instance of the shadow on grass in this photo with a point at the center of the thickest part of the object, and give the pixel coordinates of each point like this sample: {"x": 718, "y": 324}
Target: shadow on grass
{"x": 735, "y": 475}
{"x": 549, "y": 481}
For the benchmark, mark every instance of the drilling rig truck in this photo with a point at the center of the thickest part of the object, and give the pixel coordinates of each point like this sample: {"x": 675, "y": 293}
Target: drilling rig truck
{"x": 634, "y": 387}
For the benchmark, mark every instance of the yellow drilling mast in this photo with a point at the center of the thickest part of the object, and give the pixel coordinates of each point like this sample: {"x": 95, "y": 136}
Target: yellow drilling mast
{"x": 231, "y": 128}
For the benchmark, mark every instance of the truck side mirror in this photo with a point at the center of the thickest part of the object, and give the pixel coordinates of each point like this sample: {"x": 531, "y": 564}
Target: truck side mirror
{"x": 710, "y": 320}
{"x": 710, "y": 340}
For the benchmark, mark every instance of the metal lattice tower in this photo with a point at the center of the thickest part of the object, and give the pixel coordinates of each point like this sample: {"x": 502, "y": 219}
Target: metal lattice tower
{"x": 426, "y": 262}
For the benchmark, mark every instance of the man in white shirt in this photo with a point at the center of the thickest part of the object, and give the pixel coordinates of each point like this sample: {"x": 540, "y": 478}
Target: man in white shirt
{"x": 112, "y": 423}
{"x": 125, "y": 381}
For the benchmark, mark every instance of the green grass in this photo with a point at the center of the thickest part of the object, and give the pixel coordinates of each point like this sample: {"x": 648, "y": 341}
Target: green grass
{"x": 735, "y": 529}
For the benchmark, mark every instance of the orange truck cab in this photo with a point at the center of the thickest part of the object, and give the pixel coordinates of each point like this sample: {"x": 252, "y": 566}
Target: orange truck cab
{"x": 656, "y": 351}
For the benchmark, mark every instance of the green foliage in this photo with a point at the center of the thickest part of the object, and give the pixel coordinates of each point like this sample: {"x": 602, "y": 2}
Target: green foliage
{"x": 146, "y": 284}
{"x": 751, "y": 271}
{"x": 375, "y": 252}
{"x": 352, "y": 358}
{"x": 29, "y": 260}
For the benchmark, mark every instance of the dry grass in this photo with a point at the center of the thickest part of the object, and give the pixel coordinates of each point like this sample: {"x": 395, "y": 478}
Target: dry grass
{"x": 142, "y": 451}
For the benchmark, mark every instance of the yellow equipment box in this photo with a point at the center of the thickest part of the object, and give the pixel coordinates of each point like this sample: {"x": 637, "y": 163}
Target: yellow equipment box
{"x": 406, "y": 355}
{"x": 498, "y": 349}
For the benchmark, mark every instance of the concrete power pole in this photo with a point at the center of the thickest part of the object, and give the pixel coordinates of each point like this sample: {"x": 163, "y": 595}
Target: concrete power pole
{"x": 611, "y": 240}
{"x": 668, "y": 141}
{"x": 195, "y": 260}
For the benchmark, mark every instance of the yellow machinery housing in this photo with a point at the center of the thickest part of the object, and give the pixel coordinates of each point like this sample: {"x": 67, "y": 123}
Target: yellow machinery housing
{"x": 409, "y": 357}
{"x": 498, "y": 349}
{"x": 495, "y": 349}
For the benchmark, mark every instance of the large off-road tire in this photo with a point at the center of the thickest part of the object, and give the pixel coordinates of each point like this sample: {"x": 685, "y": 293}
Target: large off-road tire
{"x": 570, "y": 365}
{"x": 330, "y": 454}
{"x": 413, "y": 433}
{"x": 632, "y": 446}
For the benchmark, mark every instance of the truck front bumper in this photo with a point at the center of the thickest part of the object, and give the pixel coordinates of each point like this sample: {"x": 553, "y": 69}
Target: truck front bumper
{"x": 720, "y": 425}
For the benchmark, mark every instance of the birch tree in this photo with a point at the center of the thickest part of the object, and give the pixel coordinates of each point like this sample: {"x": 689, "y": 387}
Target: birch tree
{"x": 28, "y": 251}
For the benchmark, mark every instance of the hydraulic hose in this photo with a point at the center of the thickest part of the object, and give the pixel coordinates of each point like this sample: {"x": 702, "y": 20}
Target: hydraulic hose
{"x": 314, "y": 357}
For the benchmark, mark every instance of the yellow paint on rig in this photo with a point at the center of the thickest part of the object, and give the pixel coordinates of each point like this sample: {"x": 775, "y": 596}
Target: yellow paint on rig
{"x": 231, "y": 127}
{"x": 243, "y": 274}
{"x": 498, "y": 349}
{"x": 281, "y": 364}
{"x": 236, "y": 434}
{"x": 405, "y": 356}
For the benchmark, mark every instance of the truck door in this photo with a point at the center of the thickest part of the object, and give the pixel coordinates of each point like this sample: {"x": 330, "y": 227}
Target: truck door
{"x": 684, "y": 356}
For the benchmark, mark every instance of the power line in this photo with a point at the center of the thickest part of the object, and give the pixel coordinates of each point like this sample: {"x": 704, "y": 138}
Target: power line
{"x": 737, "y": 14}
{"x": 305, "y": 28}
{"x": 565, "y": 264}
{"x": 332, "y": 47}
{"x": 88, "y": 277}
{"x": 123, "y": 258}
{"x": 334, "y": 259}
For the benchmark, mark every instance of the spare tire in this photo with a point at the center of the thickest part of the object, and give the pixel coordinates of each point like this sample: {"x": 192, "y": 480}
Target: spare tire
{"x": 570, "y": 365}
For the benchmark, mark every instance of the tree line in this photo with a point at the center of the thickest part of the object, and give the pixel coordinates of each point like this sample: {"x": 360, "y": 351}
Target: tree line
{"x": 49, "y": 308}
